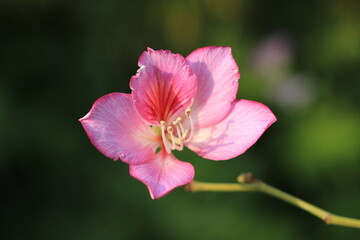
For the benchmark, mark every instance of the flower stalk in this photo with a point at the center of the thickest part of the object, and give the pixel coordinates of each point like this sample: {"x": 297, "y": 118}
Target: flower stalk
{"x": 247, "y": 183}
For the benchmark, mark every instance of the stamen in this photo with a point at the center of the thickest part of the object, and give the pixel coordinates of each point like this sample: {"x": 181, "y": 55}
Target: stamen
{"x": 176, "y": 140}
{"x": 163, "y": 135}
{"x": 178, "y": 119}
{"x": 182, "y": 130}
{"x": 181, "y": 143}
{"x": 170, "y": 131}
{"x": 185, "y": 134}
{"x": 187, "y": 112}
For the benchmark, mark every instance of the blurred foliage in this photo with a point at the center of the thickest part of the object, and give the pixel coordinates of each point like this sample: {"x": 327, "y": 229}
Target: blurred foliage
{"x": 300, "y": 58}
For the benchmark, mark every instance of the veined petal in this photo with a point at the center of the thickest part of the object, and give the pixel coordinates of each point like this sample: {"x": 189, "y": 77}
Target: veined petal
{"x": 231, "y": 137}
{"x": 217, "y": 74}
{"x": 163, "y": 174}
{"x": 117, "y": 131}
{"x": 164, "y": 86}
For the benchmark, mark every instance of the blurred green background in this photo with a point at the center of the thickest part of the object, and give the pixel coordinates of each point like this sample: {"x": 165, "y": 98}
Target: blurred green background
{"x": 57, "y": 57}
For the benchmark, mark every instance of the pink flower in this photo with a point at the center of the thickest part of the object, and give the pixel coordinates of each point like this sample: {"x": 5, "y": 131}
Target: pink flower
{"x": 176, "y": 102}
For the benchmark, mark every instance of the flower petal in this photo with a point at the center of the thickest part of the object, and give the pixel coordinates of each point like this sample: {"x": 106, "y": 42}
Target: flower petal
{"x": 246, "y": 122}
{"x": 217, "y": 74}
{"x": 163, "y": 174}
{"x": 163, "y": 87}
{"x": 117, "y": 131}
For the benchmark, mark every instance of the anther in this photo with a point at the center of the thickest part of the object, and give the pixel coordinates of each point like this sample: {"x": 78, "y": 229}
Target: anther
{"x": 178, "y": 119}
{"x": 163, "y": 123}
{"x": 187, "y": 112}
{"x": 185, "y": 134}
{"x": 169, "y": 129}
{"x": 173, "y": 140}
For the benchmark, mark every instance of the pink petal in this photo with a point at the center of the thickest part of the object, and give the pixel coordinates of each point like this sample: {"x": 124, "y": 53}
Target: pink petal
{"x": 218, "y": 75}
{"x": 163, "y": 174}
{"x": 163, "y": 87}
{"x": 246, "y": 122}
{"x": 117, "y": 131}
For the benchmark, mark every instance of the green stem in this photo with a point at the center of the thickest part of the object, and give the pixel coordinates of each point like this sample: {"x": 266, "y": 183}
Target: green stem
{"x": 248, "y": 183}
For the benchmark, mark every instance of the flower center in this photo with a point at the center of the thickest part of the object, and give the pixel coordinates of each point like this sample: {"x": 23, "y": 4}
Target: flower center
{"x": 174, "y": 135}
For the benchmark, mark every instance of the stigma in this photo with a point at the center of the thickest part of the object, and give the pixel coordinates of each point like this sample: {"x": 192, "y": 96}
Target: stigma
{"x": 174, "y": 135}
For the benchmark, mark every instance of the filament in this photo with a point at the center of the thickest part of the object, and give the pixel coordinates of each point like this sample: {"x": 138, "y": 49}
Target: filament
{"x": 163, "y": 135}
{"x": 181, "y": 144}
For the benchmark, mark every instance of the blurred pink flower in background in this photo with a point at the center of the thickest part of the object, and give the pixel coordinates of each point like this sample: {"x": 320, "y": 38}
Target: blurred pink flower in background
{"x": 176, "y": 102}
{"x": 272, "y": 60}
{"x": 272, "y": 56}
